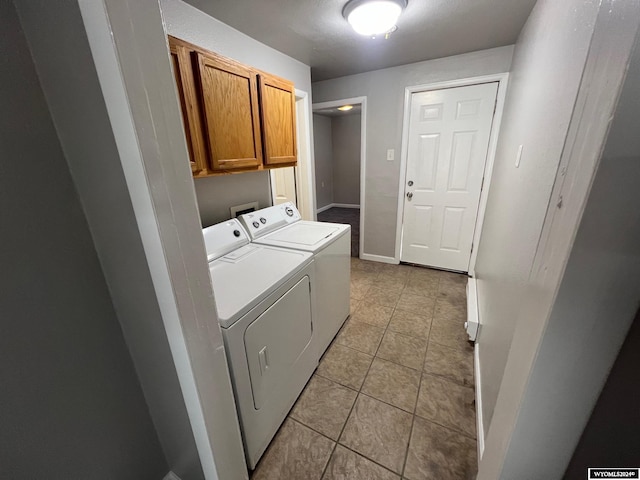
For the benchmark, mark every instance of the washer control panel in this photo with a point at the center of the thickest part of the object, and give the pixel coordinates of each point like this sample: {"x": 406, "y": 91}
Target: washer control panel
{"x": 262, "y": 222}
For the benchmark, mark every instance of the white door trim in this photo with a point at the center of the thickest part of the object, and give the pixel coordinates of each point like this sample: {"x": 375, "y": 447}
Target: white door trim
{"x": 502, "y": 79}
{"x": 305, "y": 171}
{"x": 362, "y": 101}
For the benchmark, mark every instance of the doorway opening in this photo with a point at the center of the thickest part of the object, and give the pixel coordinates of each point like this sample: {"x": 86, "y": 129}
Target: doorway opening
{"x": 339, "y": 147}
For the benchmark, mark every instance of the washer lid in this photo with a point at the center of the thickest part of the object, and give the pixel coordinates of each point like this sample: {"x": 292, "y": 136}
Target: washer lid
{"x": 305, "y": 235}
{"x": 244, "y": 277}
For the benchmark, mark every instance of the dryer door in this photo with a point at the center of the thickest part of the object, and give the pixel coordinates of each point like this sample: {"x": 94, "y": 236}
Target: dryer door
{"x": 274, "y": 343}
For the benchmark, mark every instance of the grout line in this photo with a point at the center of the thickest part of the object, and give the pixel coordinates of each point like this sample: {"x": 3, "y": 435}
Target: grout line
{"x": 415, "y": 407}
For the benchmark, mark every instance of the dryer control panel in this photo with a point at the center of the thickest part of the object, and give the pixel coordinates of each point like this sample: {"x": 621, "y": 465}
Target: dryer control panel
{"x": 222, "y": 238}
{"x": 262, "y": 222}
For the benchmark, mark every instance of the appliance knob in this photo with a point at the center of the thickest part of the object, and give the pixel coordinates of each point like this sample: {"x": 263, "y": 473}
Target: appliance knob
{"x": 256, "y": 224}
{"x": 289, "y": 211}
{"x": 263, "y": 220}
{"x": 236, "y": 233}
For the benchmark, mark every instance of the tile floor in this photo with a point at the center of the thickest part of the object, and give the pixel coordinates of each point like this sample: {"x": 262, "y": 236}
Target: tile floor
{"x": 393, "y": 395}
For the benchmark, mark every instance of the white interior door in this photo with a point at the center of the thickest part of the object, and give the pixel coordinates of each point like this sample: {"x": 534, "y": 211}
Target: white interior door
{"x": 283, "y": 185}
{"x": 449, "y": 133}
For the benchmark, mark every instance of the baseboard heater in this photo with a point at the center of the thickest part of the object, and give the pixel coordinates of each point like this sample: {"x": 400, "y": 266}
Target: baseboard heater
{"x": 472, "y": 325}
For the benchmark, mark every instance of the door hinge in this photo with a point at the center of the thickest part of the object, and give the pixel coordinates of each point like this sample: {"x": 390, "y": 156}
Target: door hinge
{"x": 482, "y": 184}
{"x": 471, "y": 248}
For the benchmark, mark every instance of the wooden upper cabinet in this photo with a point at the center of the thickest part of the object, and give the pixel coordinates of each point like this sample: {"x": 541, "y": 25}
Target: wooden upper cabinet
{"x": 278, "y": 116}
{"x": 236, "y": 118}
{"x": 230, "y": 101}
{"x": 191, "y": 119}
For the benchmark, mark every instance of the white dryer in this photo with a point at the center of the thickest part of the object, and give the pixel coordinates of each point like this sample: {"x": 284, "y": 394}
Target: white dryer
{"x": 330, "y": 243}
{"x": 265, "y": 299}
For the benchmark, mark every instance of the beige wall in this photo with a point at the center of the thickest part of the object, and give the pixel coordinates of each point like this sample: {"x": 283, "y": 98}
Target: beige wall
{"x": 384, "y": 90}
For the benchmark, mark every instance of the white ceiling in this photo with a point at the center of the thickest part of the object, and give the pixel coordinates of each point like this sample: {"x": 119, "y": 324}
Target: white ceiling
{"x": 314, "y": 31}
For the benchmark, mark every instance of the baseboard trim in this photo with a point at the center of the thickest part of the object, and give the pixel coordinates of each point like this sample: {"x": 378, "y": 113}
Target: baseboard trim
{"x": 322, "y": 209}
{"x": 171, "y": 476}
{"x": 346, "y": 205}
{"x": 338, "y": 205}
{"x": 379, "y": 258}
{"x": 479, "y": 419}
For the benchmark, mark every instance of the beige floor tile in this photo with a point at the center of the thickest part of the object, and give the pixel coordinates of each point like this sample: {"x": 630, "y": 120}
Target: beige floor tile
{"x": 383, "y": 295}
{"x": 425, "y": 287}
{"x": 453, "y": 278}
{"x": 402, "y": 349}
{"x": 452, "y": 311}
{"x": 412, "y": 324}
{"x": 378, "y": 431}
{"x": 345, "y": 366}
{"x": 391, "y": 282}
{"x": 365, "y": 265}
{"x": 448, "y": 404}
{"x": 359, "y": 289}
{"x": 353, "y": 305}
{"x": 376, "y": 314}
{"x": 393, "y": 384}
{"x": 425, "y": 273}
{"x": 363, "y": 277}
{"x": 449, "y": 333}
{"x": 453, "y": 292}
{"x": 360, "y": 336}
{"x": 324, "y": 406}
{"x": 395, "y": 270}
{"x": 348, "y": 465}
{"x": 452, "y": 363}
{"x": 436, "y": 452}
{"x": 416, "y": 303}
{"x": 296, "y": 452}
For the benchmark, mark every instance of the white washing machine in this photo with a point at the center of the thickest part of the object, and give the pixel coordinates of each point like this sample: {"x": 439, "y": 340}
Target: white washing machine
{"x": 330, "y": 243}
{"x": 265, "y": 300}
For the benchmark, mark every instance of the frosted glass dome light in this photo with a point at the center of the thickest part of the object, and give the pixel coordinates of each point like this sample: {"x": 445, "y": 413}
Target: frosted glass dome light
{"x": 373, "y": 17}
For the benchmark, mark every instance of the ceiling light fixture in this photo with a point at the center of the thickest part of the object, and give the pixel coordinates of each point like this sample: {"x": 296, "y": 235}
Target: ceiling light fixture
{"x": 345, "y": 108}
{"x": 373, "y": 17}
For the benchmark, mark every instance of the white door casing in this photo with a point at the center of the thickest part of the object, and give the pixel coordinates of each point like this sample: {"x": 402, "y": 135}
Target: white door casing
{"x": 283, "y": 185}
{"x": 449, "y": 132}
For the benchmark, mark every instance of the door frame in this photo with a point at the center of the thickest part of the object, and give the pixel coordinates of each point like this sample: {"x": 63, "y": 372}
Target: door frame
{"x": 362, "y": 101}
{"x": 502, "y": 79}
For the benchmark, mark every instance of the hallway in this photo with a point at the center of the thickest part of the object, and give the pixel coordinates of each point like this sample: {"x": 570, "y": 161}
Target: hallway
{"x": 393, "y": 395}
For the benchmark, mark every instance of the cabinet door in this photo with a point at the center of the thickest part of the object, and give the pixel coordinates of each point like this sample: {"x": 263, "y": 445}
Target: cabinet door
{"x": 183, "y": 72}
{"x": 278, "y": 115}
{"x": 229, "y": 95}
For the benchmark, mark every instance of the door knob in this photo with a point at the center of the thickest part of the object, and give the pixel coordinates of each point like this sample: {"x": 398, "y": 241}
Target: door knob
{"x": 409, "y": 195}
{"x": 410, "y": 183}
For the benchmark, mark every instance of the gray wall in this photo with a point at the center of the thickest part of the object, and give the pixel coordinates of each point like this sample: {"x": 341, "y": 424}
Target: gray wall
{"x": 323, "y": 153}
{"x": 611, "y": 436}
{"x": 594, "y": 308}
{"x": 548, "y": 62}
{"x": 384, "y": 90}
{"x": 345, "y": 134}
{"x": 72, "y": 407}
{"x": 216, "y": 195}
{"x": 69, "y": 80}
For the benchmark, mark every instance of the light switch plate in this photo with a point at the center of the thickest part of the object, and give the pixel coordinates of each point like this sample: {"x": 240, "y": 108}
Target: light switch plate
{"x": 391, "y": 155}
